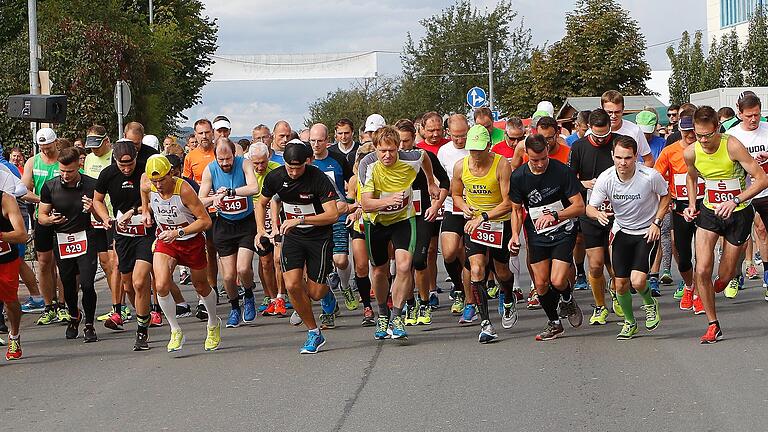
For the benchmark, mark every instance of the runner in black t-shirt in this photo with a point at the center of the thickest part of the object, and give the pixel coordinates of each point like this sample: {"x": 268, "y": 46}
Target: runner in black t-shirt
{"x": 551, "y": 195}
{"x": 65, "y": 203}
{"x": 309, "y": 210}
{"x": 133, "y": 241}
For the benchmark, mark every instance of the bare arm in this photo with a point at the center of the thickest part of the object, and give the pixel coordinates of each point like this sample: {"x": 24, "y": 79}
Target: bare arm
{"x": 503, "y": 171}
{"x": 13, "y": 214}
{"x": 205, "y": 188}
{"x": 192, "y": 202}
{"x": 100, "y": 209}
{"x": 517, "y": 157}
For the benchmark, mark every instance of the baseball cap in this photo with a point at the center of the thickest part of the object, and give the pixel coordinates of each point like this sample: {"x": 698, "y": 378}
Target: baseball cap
{"x": 547, "y": 107}
{"x": 124, "y": 147}
{"x": 646, "y": 120}
{"x": 296, "y": 152}
{"x": 537, "y": 116}
{"x": 158, "y": 167}
{"x": 477, "y": 138}
{"x": 374, "y": 122}
{"x": 686, "y": 123}
{"x": 151, "y": 141}
{"x": 94, "y": 140}
{"x": 45, "y": 136}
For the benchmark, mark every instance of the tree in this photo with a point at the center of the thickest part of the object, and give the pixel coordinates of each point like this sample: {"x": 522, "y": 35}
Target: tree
{"x": 356, "y": 103}
{"x": 755, "y": 56}
{"x": 690, "y": 72}
{"x": 730, "y": 54}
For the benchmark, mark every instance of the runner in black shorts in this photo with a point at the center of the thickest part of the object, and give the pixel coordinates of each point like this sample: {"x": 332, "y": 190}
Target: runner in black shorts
{"x": 308, "y": 206}
{"x": 551, "y": 195}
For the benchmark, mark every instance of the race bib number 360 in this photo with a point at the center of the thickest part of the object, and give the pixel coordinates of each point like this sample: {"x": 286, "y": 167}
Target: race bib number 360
{"x": 72, "y": 245}
{"x": 489, "y": 234}
{"x": 720, "y": 191}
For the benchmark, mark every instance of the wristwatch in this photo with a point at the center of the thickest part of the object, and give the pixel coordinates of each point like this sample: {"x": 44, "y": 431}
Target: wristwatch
{"x": 230, "y": 192}
{"x": 485, "y": 216}
{"x": 180, "y": 232}
{"x": 657, "y": 222}
{"x": 736, "y": 200}
{"x": 301, "y": 218}
{"x": 555, "y": 215}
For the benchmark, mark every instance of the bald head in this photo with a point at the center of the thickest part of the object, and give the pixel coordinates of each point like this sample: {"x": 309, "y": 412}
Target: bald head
{"x": 318, "y": 139}
{"x": 458, "y": 126}
{"x": 280, "y": 134}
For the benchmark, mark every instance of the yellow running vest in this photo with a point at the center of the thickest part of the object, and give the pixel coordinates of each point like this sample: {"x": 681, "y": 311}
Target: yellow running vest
{"x": 483, "y": 193}
{"x": 724, "y": 178}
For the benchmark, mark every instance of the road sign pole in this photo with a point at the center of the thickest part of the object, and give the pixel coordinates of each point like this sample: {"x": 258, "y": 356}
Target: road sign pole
{"x": 490, "y": 76}
{"x": 119, "y": 89}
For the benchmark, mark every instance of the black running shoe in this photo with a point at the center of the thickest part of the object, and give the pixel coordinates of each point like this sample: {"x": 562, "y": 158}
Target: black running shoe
{"x": 202, "y": 313}
{"x": 141, "y": 342}
{"x": 72, "y": 327}
{"x": 89, "y": 334}
{"x": 183, "y": 311}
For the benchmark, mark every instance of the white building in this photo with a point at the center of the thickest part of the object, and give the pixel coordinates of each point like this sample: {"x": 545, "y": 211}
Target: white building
{"x": 726, "y": 15}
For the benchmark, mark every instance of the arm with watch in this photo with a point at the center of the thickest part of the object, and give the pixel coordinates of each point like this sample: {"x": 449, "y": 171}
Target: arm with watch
{"x": 202, "y": 219}
{"x": 654, "y": 231}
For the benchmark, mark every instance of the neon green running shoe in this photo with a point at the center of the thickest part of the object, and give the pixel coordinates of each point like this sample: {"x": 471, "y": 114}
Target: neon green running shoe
{"x": 63, "y": 315}
{"x": 177, "y": 340}
{"x": 680, "y": 291}
{"x": 616, "y": 306}
{"x": 457, "y": 308}
{"x": 599, "y": 316}
{"x": 410, "y": 315}
{"x": 493, "y": 291}
{"x": 652, "y": 315}
{"x": 732, "y": 290}
{"x": 350, "y": 298}
{"x": 213, "y": 339}
{"x": 424, "y": 315}
{"x": 125, "y": 312}
{"x": 105, "y": 316}
{"x": 628, "y": 331}
{"x": 48, "y": 317}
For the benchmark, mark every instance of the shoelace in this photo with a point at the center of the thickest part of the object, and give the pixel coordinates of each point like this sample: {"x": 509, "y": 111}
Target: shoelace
{"x": 650, "y": 312}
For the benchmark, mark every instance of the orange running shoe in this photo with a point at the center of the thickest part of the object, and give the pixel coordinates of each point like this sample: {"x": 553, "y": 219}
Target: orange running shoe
{"x": 713, "y": 334}
{"x": 279, "y": 308}
{"x": 14, "y": 349}
{"x": 270, "y": 310}
{"x": 686, "y": 303}
{"x": 698, "y": 306}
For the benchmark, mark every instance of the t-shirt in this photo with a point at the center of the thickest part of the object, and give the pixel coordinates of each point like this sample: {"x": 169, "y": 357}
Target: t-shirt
{"x": 260, "y": 178}
{"x": 503, "y": 149}
{"x": 589, "y": 161}
{"x": 632, "y": 130}
{"x": 432, "y": 148}
{"x": 497, "y": 135}
{"x": 69, "y": 202}
{"x": 420, "y": 184}
{"x": 635, "y": 202}
{"x": 336, "y": 168}
{"x": 196, "y": 162}
{"x": 674, "y": 137}
{"x": 302, "y": 196}
{"x": 572, "y": 138}
{"x": 656, "y": 144}
{"x": 671, "y": 165}
{"x": 755, "y": 141}
{"x": 561, "y": 154}
{"x": 124, "y": 191}
{"x": 549, "y": 190}
{"x": 349, "y": 155}
{"x": 383, "y": 181}
{"x": 448, "y": 155}
{"x": 93, "y": 166}
{"x": 277, "y": 157}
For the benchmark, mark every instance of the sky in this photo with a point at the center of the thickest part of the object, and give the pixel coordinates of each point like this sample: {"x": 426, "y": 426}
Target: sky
{"x": 268, "y": 26}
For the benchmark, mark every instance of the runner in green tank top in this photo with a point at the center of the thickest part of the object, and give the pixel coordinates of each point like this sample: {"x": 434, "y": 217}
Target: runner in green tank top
{"x": 723, "y": 162}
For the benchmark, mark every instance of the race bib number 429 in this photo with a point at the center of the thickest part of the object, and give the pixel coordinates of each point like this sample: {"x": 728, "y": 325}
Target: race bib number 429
{"x": 72, "y": 245}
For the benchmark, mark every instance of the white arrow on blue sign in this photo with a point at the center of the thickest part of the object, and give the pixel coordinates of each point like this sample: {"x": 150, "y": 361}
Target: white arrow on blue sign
{"x": 476, "y": 97}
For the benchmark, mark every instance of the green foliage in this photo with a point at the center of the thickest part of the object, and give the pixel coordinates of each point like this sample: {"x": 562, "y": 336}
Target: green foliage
{"x": 755, "y": 59}
{"x": 691, "y": 71}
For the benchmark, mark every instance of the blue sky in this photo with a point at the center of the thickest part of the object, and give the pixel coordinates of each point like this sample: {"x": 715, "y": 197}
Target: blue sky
{"x": 269, "y": 26}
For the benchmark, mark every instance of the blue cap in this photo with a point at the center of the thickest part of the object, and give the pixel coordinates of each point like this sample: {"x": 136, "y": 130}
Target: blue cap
{"x": 686, "y": 123}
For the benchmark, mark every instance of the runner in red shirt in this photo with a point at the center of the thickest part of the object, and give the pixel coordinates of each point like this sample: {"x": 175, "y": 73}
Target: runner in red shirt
{"x": 432, "y": 129}
{"x": 514, "y": 134}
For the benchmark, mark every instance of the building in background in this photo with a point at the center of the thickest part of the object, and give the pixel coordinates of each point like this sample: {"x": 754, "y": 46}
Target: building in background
{"x": 726, "y": 15}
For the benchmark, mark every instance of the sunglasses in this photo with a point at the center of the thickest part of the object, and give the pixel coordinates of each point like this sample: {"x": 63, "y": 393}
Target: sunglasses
{"x": 517, "y": 139}
{"x": 707, "y": 136}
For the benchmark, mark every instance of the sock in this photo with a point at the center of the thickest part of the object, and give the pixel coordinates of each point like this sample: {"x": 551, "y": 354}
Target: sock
{"x": 646, "y": 296}
{"x": 625, "y": 300}
{"x": 654, "y": 275}
{"x": 143, "y": 323}
{"x": 315, "y": 330}
{"x": 117, "y": 308}
{"x": 579, "y": 268}
{"x": 210, "y": 305}
{"x": 169, "y": 310}
{"x": 280, "y": 295}
{"x": 383, "y": 310}
{"x": 396, "y": 312}
{"x": 514, "y": 266}
{"x": 508, "y": 288}
{"x": 481, "y": 299}
{"x": 14, "y": 337}
{"x": 423, "y": 302}
{"x": 566, "y": 295}
{"x": 716, "y": 322}
{"x": 235, "y": 304}
{"x": 344, "y": 275}
{"x": 183, "y": 304}
{"x": 454, "y": 271}
{"x": 598, "y": 289}
{"x": 328, "y": 303}
{"x": 364, "y": 289}
{"x": 249, "y": 292}
{"x": 548, "y": 302}
{"x": 747, "y": 263}
{"x": 36, "y": 298}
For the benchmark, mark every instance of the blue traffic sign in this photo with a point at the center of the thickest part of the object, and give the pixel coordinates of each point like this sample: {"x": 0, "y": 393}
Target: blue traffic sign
{"x": 476, "y": 97}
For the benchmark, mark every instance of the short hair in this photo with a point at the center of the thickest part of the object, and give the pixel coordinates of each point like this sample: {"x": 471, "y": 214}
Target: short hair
{"x": 429, "y": 116}
{"x": 244, "y": 143}
{"x": 612, "y": 96}
{"x": 484, "y": 112}
{"x": 458, "y": 117}
{"x": 191, "y": 136}
{"x": 706, "y": 114}
{"x": 536, "y": 142}
{"x": 202, "y": 121}
{"x": 363, "y": 151}
{"x": 405, "y": 125}
{"x": 515, "y": 123}
{"x": 69, "y": 155}
{"x": 281, "y": 123}
{"x": 345, "y": 122}
{"x": 686, "y": 112}
{"x": 726, "y": 112}
{"x": 583, "y": 116}
{"x": 547, "y": 122}
{"x": 258, "y": 149}
{"x": 674, "y": 107}
{"x": 686, "y": 106}
{"x": 97, "y": 130}
{"x": 134, "y": 127}
{"x": 224, "y": 141}
{"x": 64, "y": 143}
{"x": 749, "y": 101}
{"x": 625, "y": 142}
{"x": 17, "y": 149}
{"x": 599, "y": 118}
{"x": 387, "y": 134}
{"x": 260, "y": 127}
{"x": 294, "y": 135}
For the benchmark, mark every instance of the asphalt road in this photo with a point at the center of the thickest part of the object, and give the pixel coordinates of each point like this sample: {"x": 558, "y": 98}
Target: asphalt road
{"x": 441, "y": 379}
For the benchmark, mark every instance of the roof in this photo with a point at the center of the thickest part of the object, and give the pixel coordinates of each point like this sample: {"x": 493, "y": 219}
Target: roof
{"x": 632, "y": 104}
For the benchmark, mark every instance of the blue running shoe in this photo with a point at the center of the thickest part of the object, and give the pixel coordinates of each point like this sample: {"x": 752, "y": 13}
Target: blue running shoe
{"x": 434, "y": 302}
{"x": 234, "y": 318}
{"x": 653, "y": 283}
{"x": 249, "y": 310}
{"x": 382, "y": 328}
{"x": 469, "y": 315}
{"x": 288, "y": 304}
{"x": 264, "y": 304}
{"x": 32, "y": 306}
{"x": 501, "y": 303}
{"x": 397, "y": 331}
{"x": 581, "y": 283}
{"x": 680, "y": 291}
{"x": 741, "y": 282}
{"x": 328, "y": 303}
{"x": 313, "y": 343}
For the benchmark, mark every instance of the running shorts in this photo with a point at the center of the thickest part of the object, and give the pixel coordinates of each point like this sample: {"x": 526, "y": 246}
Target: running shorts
{"x": 229, "y": 236}
{"x": 560, "y": 251}
{"x": 132, "y": 249}
{"x": 595, "y": 235}
{"x": 453, "y": 223}
{"x": 498, "y": 254}
{"x": 9, "y": 281}
{"x": 314, "y": 254}
{"x": 44, "y": 237}
{"x": 735, "y": 229}
{"x": 401, "y": 234}
{"x": 189, "y": 253}
{"x": 632, "y": 253}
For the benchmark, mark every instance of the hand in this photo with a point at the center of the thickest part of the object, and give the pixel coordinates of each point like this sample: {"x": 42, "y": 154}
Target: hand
{"x": 108, "y": 223}
{"x": 654, "y": 233}
{"x": 168, "y": 236}
{"x": 472, "y": 225}
{"x": 217, "y": 199}
{"x": 146, "y": 219}
{"x": 589, "y": 184}
{"x": 604, "y": 218}
{"x": 724, "y": 210}
{"x": 56, "y": 219}
{"x": 545, "y": 221}
{"x": 514, "y": 246}
{"x": 261, "y": 245}
{"x": 87, "y": 204}
{"x": 289, "y": 225}
{"x": 125, "y": 218}
{"x": 434, "y": 191}
{"x": 690, "y": 213}
{"x": 395, "y": 200}
{"x": 761, "y": 158}
{"x": 221, "y": 191}
{"x": 353, "y": 217}
{"x": 431, "y": 214}
{"x": 469, "y": 212}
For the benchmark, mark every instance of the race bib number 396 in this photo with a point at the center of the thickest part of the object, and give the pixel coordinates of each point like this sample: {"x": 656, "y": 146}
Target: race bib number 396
{"x": 489, "y": 234}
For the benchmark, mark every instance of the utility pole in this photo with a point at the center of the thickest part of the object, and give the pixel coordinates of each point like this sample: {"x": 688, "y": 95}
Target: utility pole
{"x": 34, "y": 71}
{"x": 490, "y": 76}
{"x": 151, "y": 13}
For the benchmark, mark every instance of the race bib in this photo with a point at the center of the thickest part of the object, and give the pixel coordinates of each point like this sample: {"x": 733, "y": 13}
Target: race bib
{"x": 97, "y": 225}
{"x": 133, "y": 228}
{"x": 268, "y": 218}
{"x": 168, "y": 226}
{"x": 720, "y": 191}
{"x": 489, "y": 234}
{"x": 681, "y": 188}
{"x": 440, "y": 213}
{"x": 72, "y": 245}
{"x": 604, "y": 207}
{"x": 233, "y": 205}
{"x": 293, "y": 211}
{"x": 537, "y": 212}
{"x": 5, "y": 248}
{"x": 395, "y": 208}
{"x": 417, "y": 202}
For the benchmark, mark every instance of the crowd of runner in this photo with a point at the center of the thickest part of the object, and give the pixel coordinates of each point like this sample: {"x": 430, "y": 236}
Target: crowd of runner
{"x": 597, "y": 189}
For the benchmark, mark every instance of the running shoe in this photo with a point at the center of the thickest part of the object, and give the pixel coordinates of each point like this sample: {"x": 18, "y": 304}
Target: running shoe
{"x": 698, "y": 306}
{"x": 72, "y": 329}
{"x": 234, "y": 318}
{"x": 126, "y": 313}
{"x": 2, "y": 342}
{"x": 202, "y": 313}
{"x": 666, "y": 278}
{"x": 249, "y": 309}
{"x": 581, "y": 283}
{"x": 653, "y": 284}
{"x": 32, "y": 306}
{"x": 487, "y": 333}
{"x": 652, "y": 315}
{"x": 752, "y": 273}
{"x": 328, "y": 302}
{"x": 469, "y": 315}
{"x": 572, "y": 310}
{"x": 177, "y": 341}
{"x": 334, "y": 281}
{"x": 280, "y": 310}
{"x": 509, "y": 317}
{"x": 382, "y": 328}
{"x": 327, "y": 321}
{"x": 519, "y": 296}
{"x": 183, "y": 311}
{"x": 142, "y": 342}
{"x": 493, "y": 289}
{"x": 63, "y": 315}
{"x": 14, "y": 349}
{"x": 424, "y": 315}
{"x": 184, "y": 276}
{"x": 213, "y": 339}
{"x": 265, "y": 304}
{"x": 114, "y": 322}
{"x": 732, "y": 290}
{"x": 105, "y": 316}
{"x": 89, "y": 334}
{"x": 410, "y": 315}
{"x": 368, "y": 317}
{"x": 313, "y": 344}
{"x": 397, "y": 330}
{"x": 295, "y": 319}
{"x": 550, "y": 332}
{"x": 155, "y": 319}
{"x": 458, "y": 304}
{"x": 288, "y": 304}
{"x": 712, "y": 335}
{"x": 686, "y": 303}
{"x": 434, "y": 301}
{"x": 680, "y": 291}
{"x": 533, "y": 300}
{"x": 758, "y": 258}
{"x": 48, "y": 317}
{"x": 615, "y": 305}
{"x": 270, "y": 309}
{"x": 350, "y": 298}
{"x": 3, "y": 327}
{"x": 599, "y": 315}
{"x": 628, "y": 331}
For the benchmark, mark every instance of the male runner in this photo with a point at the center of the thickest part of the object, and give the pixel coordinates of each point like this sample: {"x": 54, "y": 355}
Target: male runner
{"x": 309, "y": 210}
{"x": 181, "y": 218}
{"x": 551, "y": 195}
{"x": 12, "y": 233}
{"x": 432, "y": 128}
{"x": 639, "y": 198}
{"x": 723, "y": 162}
{"x": 231, "y": 179}
{"x": 345, "y": 144}
{"x": 613, "y": 103}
